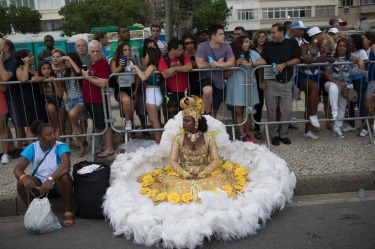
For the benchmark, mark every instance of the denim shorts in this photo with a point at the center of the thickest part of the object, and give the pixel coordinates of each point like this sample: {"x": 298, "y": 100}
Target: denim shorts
{"x": 55, "y": 101}
{"x": 71, "y": 103}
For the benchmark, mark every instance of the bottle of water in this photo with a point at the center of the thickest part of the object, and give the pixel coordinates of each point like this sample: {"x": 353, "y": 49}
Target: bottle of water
{"x": 273, "y": 65}
{"x": 361, "y": 193}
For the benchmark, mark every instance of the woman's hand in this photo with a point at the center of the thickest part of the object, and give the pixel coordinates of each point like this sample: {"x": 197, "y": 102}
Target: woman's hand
{"x": 85, "y": 74}
{"x": 343, "y": 85}
{"x": 192, "y": 176}
{"x": 46, "y": 186}
{"x": 27, "y": 60}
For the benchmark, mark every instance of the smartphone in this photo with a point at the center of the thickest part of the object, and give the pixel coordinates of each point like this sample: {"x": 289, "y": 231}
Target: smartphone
{"x": 84, "y": 67}
{"x": 328, "y": 54}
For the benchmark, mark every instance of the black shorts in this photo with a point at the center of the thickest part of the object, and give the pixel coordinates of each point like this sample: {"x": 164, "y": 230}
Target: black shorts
{"x": 96, "y": 112}
{"x": 217, "y": 93}
{"x": 173, "y": 99}
{"x": 127, "y": 90}
{"x": 56, "y": 101}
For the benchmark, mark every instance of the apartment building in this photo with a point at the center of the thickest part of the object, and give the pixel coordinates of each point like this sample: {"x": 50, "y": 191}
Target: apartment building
{"x": 51, "y": 20}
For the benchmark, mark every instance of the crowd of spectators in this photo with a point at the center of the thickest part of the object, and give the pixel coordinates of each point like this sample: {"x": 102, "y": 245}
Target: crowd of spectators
{"x": 68, "y": 103}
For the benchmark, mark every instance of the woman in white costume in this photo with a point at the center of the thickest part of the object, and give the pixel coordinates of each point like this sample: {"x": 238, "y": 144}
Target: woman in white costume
{"x": 196, "y": 184}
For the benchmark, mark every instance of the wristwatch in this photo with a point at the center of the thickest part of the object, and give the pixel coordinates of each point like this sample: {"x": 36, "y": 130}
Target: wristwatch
{"x": 51, "y": 179}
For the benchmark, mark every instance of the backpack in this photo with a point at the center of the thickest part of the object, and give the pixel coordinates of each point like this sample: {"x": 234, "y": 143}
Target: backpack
{"x": 168, "y": 61}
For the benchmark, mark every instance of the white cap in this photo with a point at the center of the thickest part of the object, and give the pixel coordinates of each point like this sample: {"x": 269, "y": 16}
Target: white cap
{"x": 314, "y": 31}
{"x": 298, "y": 25}
{"x": 333, "y": 30}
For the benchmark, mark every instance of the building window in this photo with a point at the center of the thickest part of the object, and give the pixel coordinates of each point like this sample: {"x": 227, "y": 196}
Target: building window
{"x": 291, "y": 12}
{"x": 49, "y": 4}
{"x": 368, "y": 2}
{"x": 247, "y": 14}
{"x": 324, "y": 11}
{"x": 3, "y": 4}
{"x": 73, "y": 1}
{"x": 22, "y": 3}
{"x": 51, "y": 25}
{"x": 346, "y": 3}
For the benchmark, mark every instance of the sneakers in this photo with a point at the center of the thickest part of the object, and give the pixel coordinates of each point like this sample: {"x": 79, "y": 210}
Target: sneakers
{"x": 349, "y": 128}
{"x": 128, "y": 125}
{"x": 334, "y": 116}
{"x": 285, "y": 140}
{"x": 310, "y": 135}
{"x": 338, "y": 134}
{"x": 314, "y": 121}
{"x": 5, "y": 159}
{"x": 363, "y": 133}
{"x": 247, "y": 138}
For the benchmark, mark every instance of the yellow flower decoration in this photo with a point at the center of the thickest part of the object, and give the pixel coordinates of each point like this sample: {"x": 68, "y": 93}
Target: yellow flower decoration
{"x": 186, "y": 197}
{"x": 216, "y": 172}
{"x": 240, "y": 178}
{"x": 228, "y": 166}
{"x": 237, "y": 165}
{"x": 148, "y": 178}
{"x": 152, "y": 192}
{"x": 215, "y": 191}
{"x": 227, "y": 189}
{"x": 161, "y": 196}
{"x": 243, "y": 183}
{"x": 168, "y": 168}
{"x": 238, "y": 188}
{"x": 144, "y": 190}
{"x": 146, "y": 184}
{"x": 240, "y": 172}
{"x": 209, "y": 159}
{"x": 173, "y": 173}
{"x": 174, "y": 198}
{"x": 157, "y": 172}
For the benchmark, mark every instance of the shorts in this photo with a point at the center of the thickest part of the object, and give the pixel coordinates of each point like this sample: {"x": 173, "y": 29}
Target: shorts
{"x": 96, "y": 112}
{"x": 173, "y": 99}
{"x": 3, "y": 104}
{"x": 370, "y": 89}
{"x": 154, "y": 96}
{"x": 71, "y": 103}
{"x": 56, "y": 101}
{"x": 127, "y": 90}
{"x": 302, "y": 77}
{"x": 217, "y": 94}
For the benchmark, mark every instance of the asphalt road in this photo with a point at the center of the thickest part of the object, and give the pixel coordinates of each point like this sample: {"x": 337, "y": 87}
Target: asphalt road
{"x": 320, "y": 221}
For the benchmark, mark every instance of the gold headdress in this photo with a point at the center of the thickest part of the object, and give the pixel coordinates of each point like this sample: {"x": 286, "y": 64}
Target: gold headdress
{"x": 193, "y": 106}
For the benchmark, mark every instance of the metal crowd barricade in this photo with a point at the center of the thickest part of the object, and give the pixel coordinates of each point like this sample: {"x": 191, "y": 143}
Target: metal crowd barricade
{"x": 24, "y": 123}
{"x": 268, "y": 74}
{"x": 118, "y": 124}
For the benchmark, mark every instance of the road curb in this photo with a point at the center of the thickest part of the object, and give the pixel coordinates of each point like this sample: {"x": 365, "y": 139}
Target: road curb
{"x": 11, "y": 205}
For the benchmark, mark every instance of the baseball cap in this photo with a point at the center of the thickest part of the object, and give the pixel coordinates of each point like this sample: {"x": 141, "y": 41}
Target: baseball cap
{"x": 297, "y": 25}
{"x": 333, "y": 30}
{"x": 314, "y": 31}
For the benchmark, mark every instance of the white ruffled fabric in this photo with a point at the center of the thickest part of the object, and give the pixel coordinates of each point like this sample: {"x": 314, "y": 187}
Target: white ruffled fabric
{"x": 186, "y": 226}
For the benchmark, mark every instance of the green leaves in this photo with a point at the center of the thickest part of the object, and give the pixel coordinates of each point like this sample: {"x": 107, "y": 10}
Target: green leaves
{"x": 23, "y": 19}
{"x": 208, "y": 12}
{"x": 81, "y": 17}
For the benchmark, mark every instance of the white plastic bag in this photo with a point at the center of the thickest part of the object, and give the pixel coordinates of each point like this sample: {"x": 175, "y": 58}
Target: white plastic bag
{"x": 39, "y": 217}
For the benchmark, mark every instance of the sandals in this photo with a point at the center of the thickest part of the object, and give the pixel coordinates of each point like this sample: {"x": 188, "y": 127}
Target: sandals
{"x": 258, "y": 135}
{"x": 68, "y": 219}
{"x": 104, "y": 154}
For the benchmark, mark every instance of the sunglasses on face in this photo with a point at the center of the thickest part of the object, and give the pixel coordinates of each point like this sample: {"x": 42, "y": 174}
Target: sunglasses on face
{"x": 189, "y": 43}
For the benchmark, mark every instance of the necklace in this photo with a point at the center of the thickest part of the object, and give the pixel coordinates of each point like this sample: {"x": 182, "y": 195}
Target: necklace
{"x": 193, "y": 137}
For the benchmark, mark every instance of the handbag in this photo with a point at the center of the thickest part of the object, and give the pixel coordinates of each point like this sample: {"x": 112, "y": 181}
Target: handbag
{"x": 39, "y": 217}
{"x": 347, "y": 93}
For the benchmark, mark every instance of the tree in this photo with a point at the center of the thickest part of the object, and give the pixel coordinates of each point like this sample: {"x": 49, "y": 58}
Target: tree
{"x": 24, "y": 19}
{"x": 208, "y": 12}
{"x": 80, "y": 17}
{"x": 4, "y": 22}
{"x": 186, "y": 17}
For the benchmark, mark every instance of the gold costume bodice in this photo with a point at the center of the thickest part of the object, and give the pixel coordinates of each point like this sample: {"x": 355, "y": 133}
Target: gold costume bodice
{"x": 185, "y": 161}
